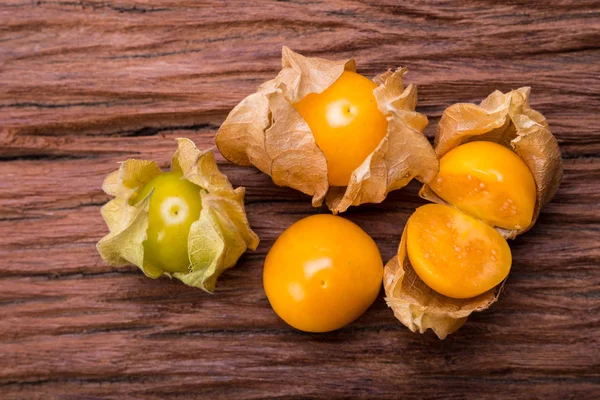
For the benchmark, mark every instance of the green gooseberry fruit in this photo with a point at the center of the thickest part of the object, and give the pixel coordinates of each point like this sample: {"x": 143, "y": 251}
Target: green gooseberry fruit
{"x": 174, "y": 206}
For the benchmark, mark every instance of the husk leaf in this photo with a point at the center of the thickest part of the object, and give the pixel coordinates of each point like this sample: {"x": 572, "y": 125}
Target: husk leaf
{"x": 502, "y": 118}
{"x": 419, "y": 307}
{"x": 266, "y": 131}
{"x": 216, "y": 240}
{"x": 507, "y": 119}
{"x": 127, "y": 223}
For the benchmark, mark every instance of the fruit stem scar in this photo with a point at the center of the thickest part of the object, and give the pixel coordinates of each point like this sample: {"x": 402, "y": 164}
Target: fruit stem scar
{"x": 173, "y": 210}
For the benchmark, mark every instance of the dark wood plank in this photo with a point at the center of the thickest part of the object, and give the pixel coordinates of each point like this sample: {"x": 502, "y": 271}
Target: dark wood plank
{"x": 86, "y": 84}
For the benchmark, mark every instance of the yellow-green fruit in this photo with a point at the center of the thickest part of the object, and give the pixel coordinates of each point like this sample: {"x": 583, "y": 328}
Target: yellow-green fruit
{"x": 175, "y": 204}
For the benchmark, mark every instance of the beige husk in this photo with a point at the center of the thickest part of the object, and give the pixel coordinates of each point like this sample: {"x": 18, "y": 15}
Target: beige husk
{"x": 216, "y": 240}
{"x": 508, "y": 120}
{"x": 266, "y": 131}
{"x": 419, "y": 307}
{"x": 502, "y": 118}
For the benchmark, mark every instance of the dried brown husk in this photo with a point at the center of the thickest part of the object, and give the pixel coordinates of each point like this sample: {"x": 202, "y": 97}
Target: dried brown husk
{"x": 506, "y": 119}
{"x": 216, "y": 240}
{"x": 266, "y": 131}
{"x": 419, "y": 307}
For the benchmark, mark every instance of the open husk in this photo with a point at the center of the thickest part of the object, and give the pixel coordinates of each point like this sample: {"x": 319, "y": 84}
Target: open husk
{"x": 216, "y": 240}
{"x": 266, "y": 131}
{"x": 419, "y": 307}
{"x": 507, "y": 119}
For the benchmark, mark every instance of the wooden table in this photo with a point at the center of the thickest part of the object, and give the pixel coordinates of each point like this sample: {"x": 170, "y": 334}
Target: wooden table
{"x": 85, "y": 84}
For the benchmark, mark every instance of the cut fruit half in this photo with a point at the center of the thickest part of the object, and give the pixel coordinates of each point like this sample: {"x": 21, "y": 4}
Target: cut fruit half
{"x": 455, "y": 254}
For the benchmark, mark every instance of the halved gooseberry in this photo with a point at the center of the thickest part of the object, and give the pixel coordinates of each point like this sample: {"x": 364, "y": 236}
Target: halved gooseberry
{"x": 454, "y": 253}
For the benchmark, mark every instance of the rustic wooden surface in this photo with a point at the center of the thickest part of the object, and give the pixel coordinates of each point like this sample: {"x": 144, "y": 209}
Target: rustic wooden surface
{"x": 85, "y": 84}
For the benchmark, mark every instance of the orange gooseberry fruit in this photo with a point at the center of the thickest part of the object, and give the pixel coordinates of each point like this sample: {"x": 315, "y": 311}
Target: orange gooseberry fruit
{"x": 346, "y": 124}
{"x": 454, "y": 253}
{"x": 322, "y": 273}
{"x": 488, "y": 181}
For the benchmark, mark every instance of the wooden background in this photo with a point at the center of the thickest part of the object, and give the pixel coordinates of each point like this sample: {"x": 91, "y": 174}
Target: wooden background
{"x": 85, "y": 84}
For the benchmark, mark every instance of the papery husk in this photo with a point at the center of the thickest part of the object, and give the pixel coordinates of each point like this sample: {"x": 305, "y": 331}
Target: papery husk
{"x": 419, "y": 307}
{"x": 506, "y": 119}
{"x": 266, "y": 131}
{"x": 216, "y": 240}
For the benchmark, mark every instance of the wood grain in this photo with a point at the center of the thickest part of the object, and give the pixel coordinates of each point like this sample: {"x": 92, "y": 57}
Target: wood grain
{"x": 85, "y": 84}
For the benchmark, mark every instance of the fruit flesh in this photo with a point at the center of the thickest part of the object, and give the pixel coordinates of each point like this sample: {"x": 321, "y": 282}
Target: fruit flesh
{"x": 175, "y": 204}
{"x": 346, "y": 124}
{"x": 488, "y": 181}
{"x": 455, "y": 254}
{"x": 322, "y": 273}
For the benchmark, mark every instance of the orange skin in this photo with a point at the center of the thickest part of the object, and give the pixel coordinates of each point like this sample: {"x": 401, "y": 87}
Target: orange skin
{"x": 455, "y": 254}
{"x": 345, "y": 122}
{"x": 322, "y": 273}
{"x": 488, "y": 181}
